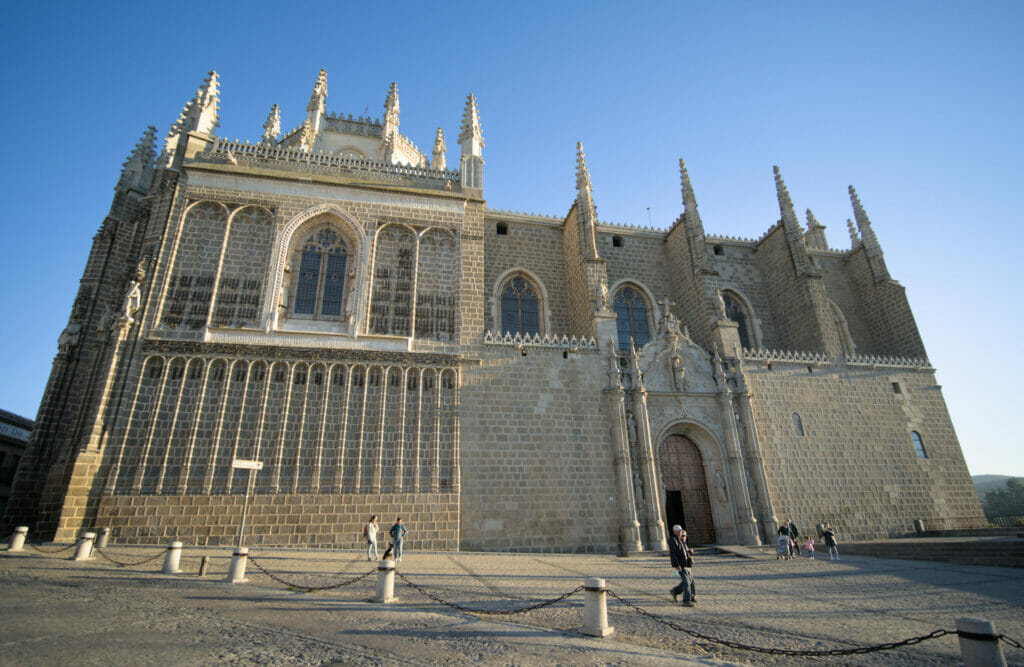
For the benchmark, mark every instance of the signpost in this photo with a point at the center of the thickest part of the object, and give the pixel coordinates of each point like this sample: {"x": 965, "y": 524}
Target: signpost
{"x": 252, "y": 467}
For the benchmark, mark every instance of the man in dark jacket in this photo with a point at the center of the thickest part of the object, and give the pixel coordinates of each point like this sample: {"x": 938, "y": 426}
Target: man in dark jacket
{"x": 795, "y": 534}
{"x": 682, "y": 560}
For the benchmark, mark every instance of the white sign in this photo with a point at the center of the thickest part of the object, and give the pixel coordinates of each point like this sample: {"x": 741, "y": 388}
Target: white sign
{"x": 247, "y": 465}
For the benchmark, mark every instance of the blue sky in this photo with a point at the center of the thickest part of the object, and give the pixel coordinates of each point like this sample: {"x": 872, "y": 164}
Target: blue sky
{"x": 917, "y": 104}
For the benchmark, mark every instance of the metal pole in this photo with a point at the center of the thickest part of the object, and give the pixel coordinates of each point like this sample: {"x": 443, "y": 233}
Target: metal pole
{"x": 245, "y": 506}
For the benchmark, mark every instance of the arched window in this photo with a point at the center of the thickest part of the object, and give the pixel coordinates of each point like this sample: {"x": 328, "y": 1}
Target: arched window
{"x": 320, "y": 287}
{"x": 520, "y": 307}
{"x": 631, "y": 309}
{"x": 736, "y": 311}
{"x": 918, "y": 445}
{"x": 798, "y": 425}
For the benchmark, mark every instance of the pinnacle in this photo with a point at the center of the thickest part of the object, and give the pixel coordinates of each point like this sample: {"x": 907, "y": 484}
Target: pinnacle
{"x": 471, "y": 121}
{"x": 582, "y": 173}
{"x": 687, "y": 188}
{"x": 812, "y": 222}
{"x": 391, "y": 101}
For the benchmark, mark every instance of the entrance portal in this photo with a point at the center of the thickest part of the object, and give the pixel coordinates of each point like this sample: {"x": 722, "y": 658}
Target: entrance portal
{"x": 686, "y": 491}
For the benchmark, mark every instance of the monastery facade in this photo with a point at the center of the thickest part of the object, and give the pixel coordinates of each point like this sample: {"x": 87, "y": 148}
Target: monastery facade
{"x": 345, "y": 309}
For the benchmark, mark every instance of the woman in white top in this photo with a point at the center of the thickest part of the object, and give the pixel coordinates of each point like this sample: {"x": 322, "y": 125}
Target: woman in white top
{"x": 370, "y": 531}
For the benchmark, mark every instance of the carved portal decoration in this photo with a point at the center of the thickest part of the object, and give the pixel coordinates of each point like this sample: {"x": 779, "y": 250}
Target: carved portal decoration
{"x": 672, "y": 362}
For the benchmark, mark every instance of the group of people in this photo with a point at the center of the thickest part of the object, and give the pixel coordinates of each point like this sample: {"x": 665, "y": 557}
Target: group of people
{"x": 789, "y": 542}
{"x": 681, "y": 555}
{"x": 397, "y": 533}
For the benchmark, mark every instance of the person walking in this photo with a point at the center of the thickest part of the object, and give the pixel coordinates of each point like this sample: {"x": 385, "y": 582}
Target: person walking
{"x": 370, "y": 533}
{"x": 681, "y": 556}
{"x": 830, "y": 541}
{"x": 397, "y": 534}
{"x": 795, "y": 534}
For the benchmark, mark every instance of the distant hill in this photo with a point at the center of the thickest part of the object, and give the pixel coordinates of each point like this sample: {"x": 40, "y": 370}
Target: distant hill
{"x": 985, "y": 483}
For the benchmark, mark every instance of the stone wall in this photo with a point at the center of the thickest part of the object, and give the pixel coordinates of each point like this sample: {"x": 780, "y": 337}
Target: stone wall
{"x": 537, "y": 459}
{"x": 855, "y": 466}
{"x": 292, "y": 520}
{"x": 537, "y": 248}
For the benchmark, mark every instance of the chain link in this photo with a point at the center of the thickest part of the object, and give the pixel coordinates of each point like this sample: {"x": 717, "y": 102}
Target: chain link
{"x": 51, "y": 551}
{"x": 308, "y": 589}
{"x": 780, "y": 651}
{"x": 121, "y": 563}
{"x": 454, "y": 605}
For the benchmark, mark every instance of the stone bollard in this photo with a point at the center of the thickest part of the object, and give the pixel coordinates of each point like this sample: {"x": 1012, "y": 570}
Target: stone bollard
{"x": 595, "y": 608}
{"x": 386, "y": 582}
{"x": 979, "y": 643}
{"x": 173, "y": 559}
{"x": 104, "y": 537}
{"x": 84, "y": 550}
{"x": 237, "y": 573}
{"x": 17, "y": 542}
{"x": 202, "y": 565}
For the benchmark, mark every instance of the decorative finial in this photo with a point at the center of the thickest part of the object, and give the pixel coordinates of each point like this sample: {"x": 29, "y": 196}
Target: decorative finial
{"x": 439, "y": 150}
{"x": 854, "y": 237}
{"x": 689, "y": 200}
{"x": 391, "y": 107}
{"x": 137, "y": 170}
{"x": 812, "y": 222}
{"x": 272, "y": 126}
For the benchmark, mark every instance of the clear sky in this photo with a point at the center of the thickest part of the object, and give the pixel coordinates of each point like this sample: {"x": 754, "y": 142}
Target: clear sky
{"x": 917, "y": 104}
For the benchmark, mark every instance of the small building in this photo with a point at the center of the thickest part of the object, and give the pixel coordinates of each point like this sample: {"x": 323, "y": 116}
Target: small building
{"x": 14, "y": 434}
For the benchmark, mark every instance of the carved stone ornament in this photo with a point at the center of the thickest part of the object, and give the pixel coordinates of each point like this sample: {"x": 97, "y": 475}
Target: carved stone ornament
{"x": 132, "y": 300}
{"x": 68, "y": 338}
{"x": 671, "y": 362}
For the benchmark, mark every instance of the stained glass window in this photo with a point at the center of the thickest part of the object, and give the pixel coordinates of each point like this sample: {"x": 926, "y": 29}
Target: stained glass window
{"x": 321, "y": 281}
{"x": 520, "y": 307}
{"x": 632, "y": 318}
{"x": 735, "y": 311}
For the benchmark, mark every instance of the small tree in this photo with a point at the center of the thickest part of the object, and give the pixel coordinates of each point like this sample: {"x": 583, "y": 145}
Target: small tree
{"x": 1006, "y": 501}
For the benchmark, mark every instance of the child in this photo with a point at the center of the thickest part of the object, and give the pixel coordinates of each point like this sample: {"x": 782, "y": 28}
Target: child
{"x": 783, "y": 551}
{"x": 809, "y": 546}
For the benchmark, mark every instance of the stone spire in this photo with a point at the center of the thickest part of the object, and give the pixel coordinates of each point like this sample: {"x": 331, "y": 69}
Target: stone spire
{"x": 586, "y": 209}
{"x": 692, "y": 223}
{"x": 854, "y": 236}
{"x": 791, "y": 226}
{"x": 137, "y": 170}
{"x": 315, "y": 110}
{"x": 815, "y": 236}
{"x": 439, "y": 149}
{"x": 198, "y": 115}
{"x": 390, "y": 128}
{"x": 471, "y": 143}
{"x": 272, "y": 127}
{"x": 875, "y": 257}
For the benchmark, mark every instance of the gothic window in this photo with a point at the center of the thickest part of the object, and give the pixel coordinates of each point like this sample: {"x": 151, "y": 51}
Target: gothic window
{"x": 842, "y": 330}
{"x": 736, "y": 311}
{"x": 391, "y": 309}
{"x": 631, "y": 308}
{"x": 915, "y": 437}
{"x": 520, "y": 307}
{"x": 798, "y": 425}
{"x": 436, "y": 286}
{"x": 320, "y": 284}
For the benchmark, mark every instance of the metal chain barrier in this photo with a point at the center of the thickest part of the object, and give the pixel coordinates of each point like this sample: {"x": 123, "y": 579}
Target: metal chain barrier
{"x": 120, "y": 563}
{"x": 453, "y": 605}
{"x": 51, "y": 551}
{"x": 780, "y": 651}
{"x": 1012, "y": 642}
{"x": 308, "y": 589}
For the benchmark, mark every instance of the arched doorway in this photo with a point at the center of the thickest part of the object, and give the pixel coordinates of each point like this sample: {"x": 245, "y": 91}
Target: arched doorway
{"x": 686, "y": 490}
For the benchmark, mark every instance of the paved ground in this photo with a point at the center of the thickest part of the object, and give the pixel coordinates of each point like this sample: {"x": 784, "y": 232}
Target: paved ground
{"x": 55, "y": 611}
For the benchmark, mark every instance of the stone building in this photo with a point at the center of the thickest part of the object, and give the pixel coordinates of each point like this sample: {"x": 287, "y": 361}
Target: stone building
{"x": 346, "y": 309}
